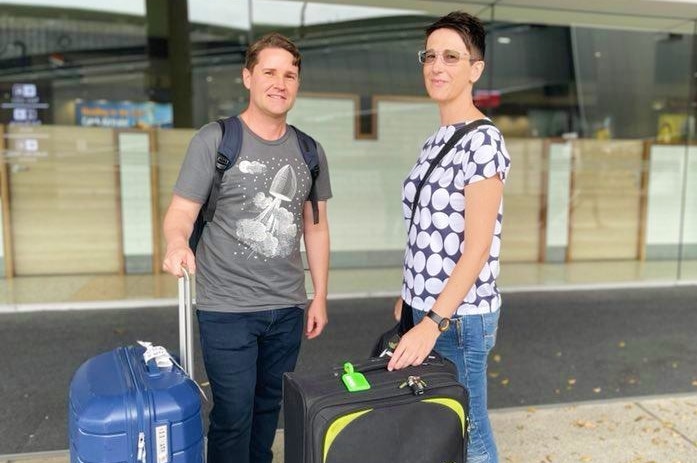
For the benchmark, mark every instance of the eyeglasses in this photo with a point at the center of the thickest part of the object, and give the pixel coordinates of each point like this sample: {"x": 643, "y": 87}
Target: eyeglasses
{"x": 450, "y": 57}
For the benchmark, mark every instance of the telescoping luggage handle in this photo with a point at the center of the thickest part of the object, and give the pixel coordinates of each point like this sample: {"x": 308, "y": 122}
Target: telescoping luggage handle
{"x": 186, "y": 329}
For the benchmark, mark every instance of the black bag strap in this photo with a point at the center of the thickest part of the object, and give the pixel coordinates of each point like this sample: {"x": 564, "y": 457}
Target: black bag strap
{"x": 456, "y": 137}
{"x": 308, "y": 147}
{"x": 228, "y": 150}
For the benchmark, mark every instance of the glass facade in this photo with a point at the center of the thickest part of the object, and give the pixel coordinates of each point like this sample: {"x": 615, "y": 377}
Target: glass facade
{"x": 99, "y": 102}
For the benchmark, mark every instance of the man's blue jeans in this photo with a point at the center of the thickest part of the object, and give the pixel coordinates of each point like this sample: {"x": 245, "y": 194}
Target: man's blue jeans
{"x": 245, "y": 355}
{"x": 467, "y": 344}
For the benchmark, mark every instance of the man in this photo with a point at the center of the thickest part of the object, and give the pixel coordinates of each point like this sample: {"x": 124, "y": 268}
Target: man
{"x": 250, "y": 279}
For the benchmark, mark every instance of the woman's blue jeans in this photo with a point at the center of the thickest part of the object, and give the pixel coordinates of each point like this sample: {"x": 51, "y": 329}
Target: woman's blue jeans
{"x": 245, "y": 355}
{"x": 467, "y": 344}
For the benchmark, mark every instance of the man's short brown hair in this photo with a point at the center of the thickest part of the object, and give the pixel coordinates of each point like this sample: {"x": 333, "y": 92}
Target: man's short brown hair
{"x": 271, "y": 40}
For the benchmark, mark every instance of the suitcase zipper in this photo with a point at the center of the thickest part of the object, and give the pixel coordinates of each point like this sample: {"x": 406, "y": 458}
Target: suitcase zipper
{"x": 389, "y": 388}
{"x": 133, "y": 412}
{"x": 138, "y": 381}
{"x": 141, "y": 447}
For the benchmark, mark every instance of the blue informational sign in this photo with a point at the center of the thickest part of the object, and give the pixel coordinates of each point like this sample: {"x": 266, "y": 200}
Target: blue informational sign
{"x": 123, "y": 114}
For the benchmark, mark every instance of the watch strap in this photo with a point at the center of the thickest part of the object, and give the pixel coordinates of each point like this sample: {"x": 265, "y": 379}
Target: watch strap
{"x": 442, "y": 322}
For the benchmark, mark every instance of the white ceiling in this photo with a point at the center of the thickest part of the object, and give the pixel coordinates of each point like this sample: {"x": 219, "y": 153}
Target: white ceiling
{"x": 663, "y": 15}
{"x": 681, "y": 9}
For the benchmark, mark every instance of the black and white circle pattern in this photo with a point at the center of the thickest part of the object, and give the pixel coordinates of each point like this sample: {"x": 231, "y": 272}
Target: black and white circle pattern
{"x": 436, "y": 240}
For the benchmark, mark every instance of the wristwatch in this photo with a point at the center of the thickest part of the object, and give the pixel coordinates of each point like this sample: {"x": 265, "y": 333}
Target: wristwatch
{"x": 442, "y": 322}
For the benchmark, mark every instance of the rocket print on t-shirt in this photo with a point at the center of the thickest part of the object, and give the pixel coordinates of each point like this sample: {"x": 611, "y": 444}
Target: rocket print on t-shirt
{"x": 272, "y": 232}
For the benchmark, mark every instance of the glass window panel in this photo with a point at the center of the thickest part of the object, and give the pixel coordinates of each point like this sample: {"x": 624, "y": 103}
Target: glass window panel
{"x": 554, "y": 78}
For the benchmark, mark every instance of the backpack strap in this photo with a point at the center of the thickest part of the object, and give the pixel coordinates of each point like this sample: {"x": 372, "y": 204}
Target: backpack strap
{"x": 308, "y": 147}
{"x": 456, "y": 137}
{"x": 228, "y": 151}
{"x": 226, "y": 155}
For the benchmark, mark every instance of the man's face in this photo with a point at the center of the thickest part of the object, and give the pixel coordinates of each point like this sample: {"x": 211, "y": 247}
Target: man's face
{"x": 273, "y": 82}
{"x": 446, "y": 82}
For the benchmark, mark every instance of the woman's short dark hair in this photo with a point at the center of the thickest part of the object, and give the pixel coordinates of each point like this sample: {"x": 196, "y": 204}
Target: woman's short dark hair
{"x": 271, "y": 40}
{"x": 469, "y": 27}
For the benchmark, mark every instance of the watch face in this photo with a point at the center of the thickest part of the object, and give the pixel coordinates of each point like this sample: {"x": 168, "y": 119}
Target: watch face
{"x": 444, "y": 324}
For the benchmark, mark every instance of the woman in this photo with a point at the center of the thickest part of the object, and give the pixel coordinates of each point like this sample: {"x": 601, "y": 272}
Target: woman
{"x": 452, "y": 256}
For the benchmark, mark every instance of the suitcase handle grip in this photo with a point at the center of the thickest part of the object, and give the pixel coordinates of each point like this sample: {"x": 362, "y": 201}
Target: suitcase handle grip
{"x": 186, "y": 330}
{"x": 380, "y": 363}
{"x": 152, "y": 368}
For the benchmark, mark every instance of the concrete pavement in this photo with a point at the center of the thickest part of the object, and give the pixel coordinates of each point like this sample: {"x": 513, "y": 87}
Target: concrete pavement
{"x": 552, "y": 348}
{"x": 640, "y": 430}
{"x": 641, "y": 353}
{"x": 658, "y": 429}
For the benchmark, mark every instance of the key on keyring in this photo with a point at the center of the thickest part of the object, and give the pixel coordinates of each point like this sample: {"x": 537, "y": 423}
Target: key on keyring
{"x": 408, "y": 382}
{"x": 416, "y": 384}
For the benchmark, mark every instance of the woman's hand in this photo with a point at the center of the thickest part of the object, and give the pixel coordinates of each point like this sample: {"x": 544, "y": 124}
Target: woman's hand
{"x": 415, "y": 345}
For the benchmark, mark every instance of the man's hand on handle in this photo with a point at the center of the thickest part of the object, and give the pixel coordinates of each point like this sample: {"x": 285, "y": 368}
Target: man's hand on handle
{"x": 178, "y": 257}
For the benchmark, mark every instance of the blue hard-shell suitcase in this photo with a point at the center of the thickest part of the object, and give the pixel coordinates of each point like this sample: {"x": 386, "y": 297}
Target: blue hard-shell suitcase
{"x": 122, "y": 410}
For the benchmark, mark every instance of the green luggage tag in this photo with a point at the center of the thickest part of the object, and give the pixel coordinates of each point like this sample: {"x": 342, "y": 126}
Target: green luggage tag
{"x": 354, "y": 380}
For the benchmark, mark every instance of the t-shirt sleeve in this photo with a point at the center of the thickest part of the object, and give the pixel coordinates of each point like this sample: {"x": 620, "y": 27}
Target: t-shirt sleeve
{"x": 323, "y": 184}
{"x": 485, "y": 156}
{"x": 198, "y": 169}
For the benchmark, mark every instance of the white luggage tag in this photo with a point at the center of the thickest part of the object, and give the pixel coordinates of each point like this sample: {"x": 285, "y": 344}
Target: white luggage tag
{"x": 164, "y": 359}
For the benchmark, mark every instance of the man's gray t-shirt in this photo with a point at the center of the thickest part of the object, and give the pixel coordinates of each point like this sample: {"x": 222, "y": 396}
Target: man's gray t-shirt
{"x": 248, "y": 258}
